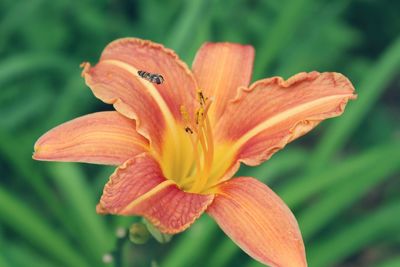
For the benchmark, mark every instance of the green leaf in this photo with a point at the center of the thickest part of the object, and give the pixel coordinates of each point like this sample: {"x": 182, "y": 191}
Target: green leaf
{"x": 187, "y": 23}
{"x": 301, "y": 188}
{"x": 343, "y": 194}
{"x": 22, "y": 219}
{"x": 369, "y": 91}
{"x": 354, "y": 236}
{"x": 80, "y": 201}
{"x": 3, "y": 261}
{"x": 15, "y": 67}
{"x": 283, "y": 29}
{"x": 186, "y": 252}
{"x": 22, "y": 255}
{"x": 14, "y": 150}
{"x": 393, "y": 262}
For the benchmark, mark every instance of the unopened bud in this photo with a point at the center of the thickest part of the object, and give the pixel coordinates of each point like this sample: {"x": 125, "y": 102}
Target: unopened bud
{"x": 138, "y": 233}
{"x": 160, "y": 237}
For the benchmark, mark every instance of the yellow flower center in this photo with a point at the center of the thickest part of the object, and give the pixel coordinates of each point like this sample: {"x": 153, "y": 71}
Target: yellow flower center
{"x": 190, "y": 157}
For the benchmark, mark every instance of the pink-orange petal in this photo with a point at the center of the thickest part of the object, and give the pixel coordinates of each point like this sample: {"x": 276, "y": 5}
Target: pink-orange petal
{"x": 220, "y": 68}
{"x": 259, "y": 222}
{"x": 102, "y": 138}
{"x": 115, "y": 80}
{"x": 138, "y": 187}
{"x": 272, "y": 112}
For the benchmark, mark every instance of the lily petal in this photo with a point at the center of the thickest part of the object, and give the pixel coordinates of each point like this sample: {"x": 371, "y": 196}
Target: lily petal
{"x": 115, "y": 80}
{"x": 138, "y": 187}
{"x": 102, "y": 138}
{"x": 262, "y": 119}
{"x": 220, "y": 69}
{"x": 259, "y": 222}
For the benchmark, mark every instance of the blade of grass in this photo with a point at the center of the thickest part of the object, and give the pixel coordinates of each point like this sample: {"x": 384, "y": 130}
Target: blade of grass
{"x": 18, "y": 66}
{"x": 301, "y": 188}
{"x": 393, "y": 262}
{"x": 22, "y": 219}
{"x": 77, "y": 194}
{"x": 284, "y": 27}
{"x": 21, "y": 256}
{"x": 68, "y": 104}
{"x": 186, "y": 24}
{"x": 223, "y": 253}
{"x": 369, "y": 91}
{"x": 355, "y": 236}
{"x": 342, "y": 195}
{"x": 15, "y": 17}
{"x": 22, "y": 110}
{"x": 332, "y": 34}
{"x": 3, "y": 261}
{"x": 201, "y": 232}
{"x": 279, "y": 165}
{"x": 13, "y": 150}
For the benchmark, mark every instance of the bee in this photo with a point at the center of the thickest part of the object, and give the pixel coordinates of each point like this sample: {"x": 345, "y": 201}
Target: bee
{"x": 151, "y": 77}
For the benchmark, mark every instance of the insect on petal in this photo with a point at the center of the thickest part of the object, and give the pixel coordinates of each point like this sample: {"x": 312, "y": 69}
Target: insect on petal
{"x": 115, "y": 80}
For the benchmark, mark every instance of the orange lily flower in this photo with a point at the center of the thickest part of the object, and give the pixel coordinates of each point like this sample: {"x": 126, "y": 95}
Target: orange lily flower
{"x": 178, "y": 143}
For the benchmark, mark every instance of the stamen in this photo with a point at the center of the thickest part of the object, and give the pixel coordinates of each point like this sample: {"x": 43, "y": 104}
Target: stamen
{"x": 190, "y": 131}
{"x": 200, "y": 134}
{"x": 196, "y": 156}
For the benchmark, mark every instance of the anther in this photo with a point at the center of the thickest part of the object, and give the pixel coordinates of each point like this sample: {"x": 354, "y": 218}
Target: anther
{"x": 202, "y": 99}
{"x": 188, "y": 130}
{"x": 199, "y": 115}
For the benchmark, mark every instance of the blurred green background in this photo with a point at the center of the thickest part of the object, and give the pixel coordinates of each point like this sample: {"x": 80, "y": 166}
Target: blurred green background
{"x": 341, "y": 180}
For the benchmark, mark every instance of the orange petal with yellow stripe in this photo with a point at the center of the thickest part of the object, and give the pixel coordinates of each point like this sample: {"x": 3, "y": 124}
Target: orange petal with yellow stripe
{"x": 115, "y": 80}
{"x": 138, "y": 187}
{"x": 259, "y": 222}
{"x": 220, "y": 69}
{"x": 102, "y": 138}
{"x": 272, "y": 112}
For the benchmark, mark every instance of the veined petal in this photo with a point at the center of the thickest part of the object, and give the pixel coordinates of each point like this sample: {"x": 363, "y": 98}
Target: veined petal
{"x": 138, "y": 187}
{"x": 272, "y": 112}
{"x": 115, "y": 80}
{"x": 220, "y": 69}
{"x": 103, "y": 138}
{"x": 259, "y": 222}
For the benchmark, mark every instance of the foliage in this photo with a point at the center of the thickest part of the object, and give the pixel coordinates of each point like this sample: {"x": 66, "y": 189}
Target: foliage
{"x": 340, "y": 181}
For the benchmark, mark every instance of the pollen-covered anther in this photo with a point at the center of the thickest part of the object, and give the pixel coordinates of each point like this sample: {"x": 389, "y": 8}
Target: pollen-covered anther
{"x": 202, "y": 100}
{"x": 188, "y": 130}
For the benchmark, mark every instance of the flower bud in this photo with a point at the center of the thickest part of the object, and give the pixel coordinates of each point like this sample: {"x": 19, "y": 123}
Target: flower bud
{"x": 138, "y": 233}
